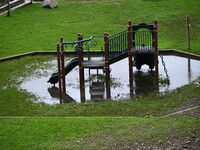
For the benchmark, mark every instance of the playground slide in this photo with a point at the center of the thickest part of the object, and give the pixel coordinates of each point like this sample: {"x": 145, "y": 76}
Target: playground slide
{"x": 71, "y": 65}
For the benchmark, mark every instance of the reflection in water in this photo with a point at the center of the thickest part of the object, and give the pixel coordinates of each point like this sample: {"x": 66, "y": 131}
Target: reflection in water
{"x": 97, "y": 91}
{"x": 189, "y": 70}
{"x": 145, "y": 82}
{"x": 181, "y": 71}
{"x": 54, "y": 92}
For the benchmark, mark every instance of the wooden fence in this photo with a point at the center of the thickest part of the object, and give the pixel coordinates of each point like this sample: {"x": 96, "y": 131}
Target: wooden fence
{"x": 8, "y": 5}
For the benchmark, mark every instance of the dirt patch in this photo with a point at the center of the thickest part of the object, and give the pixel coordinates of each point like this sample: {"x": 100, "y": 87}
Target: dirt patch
{"x": 126, "y": 141}
{"x": 191, "y": 142}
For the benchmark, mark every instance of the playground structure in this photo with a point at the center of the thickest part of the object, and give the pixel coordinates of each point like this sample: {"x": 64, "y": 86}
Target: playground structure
{"x": 139, "y": 43}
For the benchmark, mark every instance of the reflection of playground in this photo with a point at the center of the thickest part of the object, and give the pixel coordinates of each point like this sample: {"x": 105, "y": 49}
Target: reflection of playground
{"x": 54, "y": 92}
{"x": 97, "y": 90}
{"x": 145, "y": 82}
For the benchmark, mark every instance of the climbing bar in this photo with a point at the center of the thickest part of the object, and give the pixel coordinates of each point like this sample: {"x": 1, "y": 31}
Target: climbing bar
{"x": 94, "y": 36}
{"x": 76, "y": 42}
{"x": 87, "y": 43}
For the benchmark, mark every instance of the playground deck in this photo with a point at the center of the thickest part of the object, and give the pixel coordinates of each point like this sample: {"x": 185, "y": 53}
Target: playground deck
{"x": 143, "y": 49}
{"x": 94, "y": 64}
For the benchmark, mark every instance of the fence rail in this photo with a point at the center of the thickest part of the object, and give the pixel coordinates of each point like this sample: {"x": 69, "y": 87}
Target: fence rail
{"x": 12, "y": 5}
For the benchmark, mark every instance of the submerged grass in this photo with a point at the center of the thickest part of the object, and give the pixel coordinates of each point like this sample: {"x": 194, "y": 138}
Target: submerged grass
{"x": 35, "y": 29}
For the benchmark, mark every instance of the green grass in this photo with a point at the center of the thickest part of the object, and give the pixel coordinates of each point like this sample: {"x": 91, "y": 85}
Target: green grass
{"x": 90, "y": 133}
{"x": 35, "y": 29}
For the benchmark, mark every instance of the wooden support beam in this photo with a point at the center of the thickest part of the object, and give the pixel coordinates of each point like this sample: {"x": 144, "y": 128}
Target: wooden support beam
{"x": 81, "y": 69}
{"x": 130, "y": 55}
{"x": 63, "y": 66}
{"x": 59, "y": 72}
{"x": 156, "y": 51}
{"x": 107, "y": 69}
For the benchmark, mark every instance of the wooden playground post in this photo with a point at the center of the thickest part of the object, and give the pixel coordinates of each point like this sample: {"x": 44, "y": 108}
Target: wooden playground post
{"x": 156, "y": 50}
{"x": 188, "y": 32}
{"x": 107, "y": 69}
{"x": 8, "y": 13}
{"x": 63, "y": 66}
{"x": 130, "y": 55}
{"x": 81, "y": 69}
{"x": 59, "y": 71}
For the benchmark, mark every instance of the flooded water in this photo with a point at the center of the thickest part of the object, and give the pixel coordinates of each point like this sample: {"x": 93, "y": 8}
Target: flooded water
{"x": 181, "y": 71}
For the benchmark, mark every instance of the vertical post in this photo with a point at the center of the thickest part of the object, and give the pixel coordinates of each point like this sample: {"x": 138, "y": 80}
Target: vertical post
{"x": 107, "y": 69}
{"x": 63, "y": 66}
{"x": 130, "y": 57}
{"x": 81, "y": 69}
{"x": 8, "y": 13}
{"x": 188, "y": 32}
{"x": 59, "y": 71}
{"x": 156, "y": 50}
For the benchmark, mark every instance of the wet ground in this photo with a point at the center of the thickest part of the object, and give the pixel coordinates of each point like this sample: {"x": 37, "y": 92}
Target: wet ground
{"x": 181, "y": 71}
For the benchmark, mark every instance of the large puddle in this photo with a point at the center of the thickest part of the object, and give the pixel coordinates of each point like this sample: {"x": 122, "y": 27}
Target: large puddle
{"x": 181, "y": 71}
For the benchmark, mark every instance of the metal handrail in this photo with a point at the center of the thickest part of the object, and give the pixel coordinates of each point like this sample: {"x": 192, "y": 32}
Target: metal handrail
{"x": 76, "y": 42}
{"x": 117, "y": 44}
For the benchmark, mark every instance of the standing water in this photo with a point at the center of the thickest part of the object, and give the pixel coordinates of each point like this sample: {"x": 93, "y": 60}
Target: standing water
{"x": 181, "y": 71}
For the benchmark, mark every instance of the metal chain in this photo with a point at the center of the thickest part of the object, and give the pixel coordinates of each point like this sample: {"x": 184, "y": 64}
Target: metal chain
{"x": 165, "y": 69}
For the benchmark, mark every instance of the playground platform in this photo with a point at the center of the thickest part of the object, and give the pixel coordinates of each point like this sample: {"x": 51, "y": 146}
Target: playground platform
{"x": 94, "y": 64}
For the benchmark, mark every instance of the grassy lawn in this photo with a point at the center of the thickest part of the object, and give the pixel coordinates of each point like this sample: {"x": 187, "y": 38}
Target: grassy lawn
{"x": 35, "y": 29}
{"x": 92, "y": 133}
{"x": 133, "y": 124}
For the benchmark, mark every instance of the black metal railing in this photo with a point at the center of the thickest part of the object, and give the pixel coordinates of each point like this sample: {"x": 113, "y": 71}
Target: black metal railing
{"x": 143, "y": 41}
{"x": 118, "y": 44}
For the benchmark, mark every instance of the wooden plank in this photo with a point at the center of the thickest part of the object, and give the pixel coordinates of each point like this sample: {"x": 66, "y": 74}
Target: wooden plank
{"x": 93, "y": 64}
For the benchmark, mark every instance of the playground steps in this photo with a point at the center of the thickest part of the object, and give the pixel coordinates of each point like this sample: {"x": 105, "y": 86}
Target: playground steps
{"x": 97, "y": 90}
{"x": 93, "y": 64}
